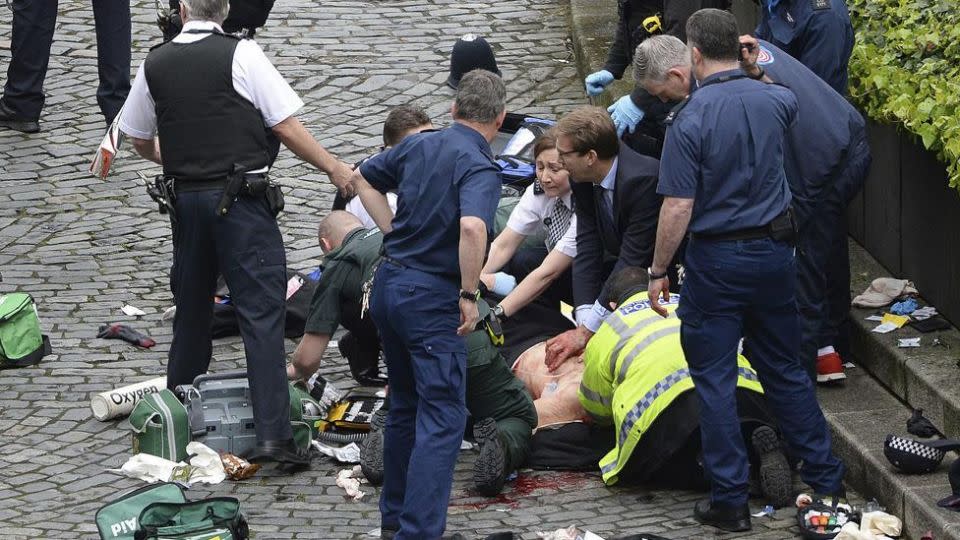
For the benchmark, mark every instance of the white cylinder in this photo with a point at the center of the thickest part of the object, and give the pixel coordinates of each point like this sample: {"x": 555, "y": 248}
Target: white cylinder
{"x": 121, "y": 401}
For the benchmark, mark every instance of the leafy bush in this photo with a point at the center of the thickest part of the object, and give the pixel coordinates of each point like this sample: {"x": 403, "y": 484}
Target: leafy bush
{"x": 905, "y": 69}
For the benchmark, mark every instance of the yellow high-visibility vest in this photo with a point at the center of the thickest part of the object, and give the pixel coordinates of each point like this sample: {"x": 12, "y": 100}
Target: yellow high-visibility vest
{"x": 634, "y": 368}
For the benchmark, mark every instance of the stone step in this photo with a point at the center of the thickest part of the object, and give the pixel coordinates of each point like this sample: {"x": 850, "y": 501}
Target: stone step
{"x": 861, "y": 413}
{"x": 926, "y": 377}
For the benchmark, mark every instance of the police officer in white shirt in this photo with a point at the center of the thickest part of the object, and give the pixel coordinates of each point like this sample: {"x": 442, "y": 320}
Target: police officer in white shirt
{"x": 546, "y": 207}
{"x": 212, "y": 110}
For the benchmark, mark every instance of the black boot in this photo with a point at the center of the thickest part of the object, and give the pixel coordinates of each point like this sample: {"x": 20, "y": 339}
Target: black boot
{"x": 489, "y": 471}
{"x": 776, "y": 480}
{"x": 371, "y": 449}
{"x": 728, "y": 518}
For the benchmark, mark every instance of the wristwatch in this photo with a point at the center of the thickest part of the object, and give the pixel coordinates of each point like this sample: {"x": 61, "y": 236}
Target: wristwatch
{"x": 498, "y": 311}
{"x": 471, "y": 296}
{"x": 653, "y": 276}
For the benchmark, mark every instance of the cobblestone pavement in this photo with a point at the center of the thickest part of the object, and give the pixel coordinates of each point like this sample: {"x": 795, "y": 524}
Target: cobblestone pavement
{"x": 84, "y": 248}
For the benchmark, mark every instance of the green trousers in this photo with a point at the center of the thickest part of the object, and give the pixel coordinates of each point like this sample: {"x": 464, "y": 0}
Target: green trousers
{"x": 494, "y": 392}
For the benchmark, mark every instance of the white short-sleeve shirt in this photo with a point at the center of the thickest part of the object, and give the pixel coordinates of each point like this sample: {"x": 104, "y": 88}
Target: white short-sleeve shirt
{"x": 254, "y": 78}
{"x": 528, "y": 217}
{"x": 355, "y": 207}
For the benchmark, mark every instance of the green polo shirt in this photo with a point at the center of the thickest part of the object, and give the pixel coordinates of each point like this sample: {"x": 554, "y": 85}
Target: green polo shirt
{"x": 345, "y": 269}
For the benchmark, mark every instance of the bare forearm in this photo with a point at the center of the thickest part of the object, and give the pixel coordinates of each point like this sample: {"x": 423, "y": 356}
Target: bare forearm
{"x": 374, "y": 202}
{"x": 503, "y": 247}
{"x": 536, "y": 282}
{"x": 473, "y": 240}
{"x": 295, "y": 136}
{"x": 674, "y": 218}
{"x": 148, "y": 149}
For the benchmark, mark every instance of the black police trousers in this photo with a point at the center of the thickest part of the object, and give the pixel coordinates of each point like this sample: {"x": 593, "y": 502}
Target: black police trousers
{"x": 246, "y": 247}
{"x": 33, "y": 26}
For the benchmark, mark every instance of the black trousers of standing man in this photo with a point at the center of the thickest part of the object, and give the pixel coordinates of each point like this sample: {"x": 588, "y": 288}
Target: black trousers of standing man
{"x": 246, "y": 247}
{"x": 33, "y": 26}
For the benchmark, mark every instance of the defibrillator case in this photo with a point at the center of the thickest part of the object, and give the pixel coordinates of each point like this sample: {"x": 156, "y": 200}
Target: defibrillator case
{"x": 220, "y": 410}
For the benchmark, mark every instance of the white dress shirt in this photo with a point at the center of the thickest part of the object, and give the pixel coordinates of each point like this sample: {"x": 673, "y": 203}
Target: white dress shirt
{"x": 254, "y": 78}
{"x": 531, "y": 211}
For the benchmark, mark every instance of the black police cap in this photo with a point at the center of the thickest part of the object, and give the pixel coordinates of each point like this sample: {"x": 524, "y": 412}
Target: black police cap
{"x": 470, "y": 52}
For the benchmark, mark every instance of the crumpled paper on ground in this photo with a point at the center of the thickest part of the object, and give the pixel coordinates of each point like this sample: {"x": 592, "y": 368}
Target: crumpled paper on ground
{"x": 883, "y": 291}
{"x": 238, "y": 468}
{"x": 570, "y": 533}
{"x": 108, "y": 149}
{"x": 349, "y": 480}
{"x": 205, "y": 466}
{"x": 344, "y": 454}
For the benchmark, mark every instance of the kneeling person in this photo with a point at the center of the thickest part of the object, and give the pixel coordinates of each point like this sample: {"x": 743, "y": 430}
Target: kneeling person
{"x": 636, "y": 377}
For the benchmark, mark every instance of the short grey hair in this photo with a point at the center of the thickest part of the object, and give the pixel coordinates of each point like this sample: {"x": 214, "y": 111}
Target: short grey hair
{"x": 657, "y": 55}
{"x": 481, "y": 97}
{"x": 207, "y": 10}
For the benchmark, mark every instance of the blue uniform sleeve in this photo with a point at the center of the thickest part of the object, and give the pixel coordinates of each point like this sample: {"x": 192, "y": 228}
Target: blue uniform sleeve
{"x": 382, "y": 170}
{"x": 791, "y": 108}
{"x": 680, "y": 162}
{"x": 829, "y": 42}
{"x": 480, "y": 192}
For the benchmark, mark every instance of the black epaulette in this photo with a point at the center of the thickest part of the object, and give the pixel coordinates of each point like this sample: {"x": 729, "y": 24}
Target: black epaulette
{"x": 676, "y": 111}
{"x": 820, "y": 5}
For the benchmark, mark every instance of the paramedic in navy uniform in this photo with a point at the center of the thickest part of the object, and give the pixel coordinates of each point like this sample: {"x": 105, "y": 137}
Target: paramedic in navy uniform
{"x": 200, "y": 104}
{"x": 424, "y": 297}
{"x": 722, "y": 174}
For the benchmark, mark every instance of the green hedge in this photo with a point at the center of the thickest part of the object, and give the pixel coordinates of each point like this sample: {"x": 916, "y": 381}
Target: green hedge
{"x": 906, "y": 69}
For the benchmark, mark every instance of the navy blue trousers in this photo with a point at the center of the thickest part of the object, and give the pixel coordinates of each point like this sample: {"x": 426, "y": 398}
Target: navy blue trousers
{"x": 737, "y": 289}
{"x": 244, "y": 246}
{"x": 417, "y": 314}
{"x": 33, "y": 25}
{"x": 823, "y": 261}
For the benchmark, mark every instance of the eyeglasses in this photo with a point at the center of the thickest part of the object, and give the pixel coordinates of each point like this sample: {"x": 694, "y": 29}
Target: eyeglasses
{"x": 561, "y": 154}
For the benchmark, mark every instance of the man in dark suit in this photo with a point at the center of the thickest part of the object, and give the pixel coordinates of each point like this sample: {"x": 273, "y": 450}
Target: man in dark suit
{"x": 617, "y": 206}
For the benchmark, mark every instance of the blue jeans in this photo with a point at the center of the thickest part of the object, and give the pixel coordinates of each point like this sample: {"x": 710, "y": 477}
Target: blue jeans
{"x": 417, "y": 314}
{"x": 737, "y": 289}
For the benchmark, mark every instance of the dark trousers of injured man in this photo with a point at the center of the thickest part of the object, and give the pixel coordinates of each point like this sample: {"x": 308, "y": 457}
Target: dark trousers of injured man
{"x": 34, "y": 22}
{"x": 746, "y": 288}
{"x": 417, "y": 314}
{"x": 823, "y": 261}
{"x": 246, "y": 247}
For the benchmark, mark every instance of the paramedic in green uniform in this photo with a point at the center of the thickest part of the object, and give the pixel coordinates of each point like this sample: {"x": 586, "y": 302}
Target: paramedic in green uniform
{"x": 503, "y": 412}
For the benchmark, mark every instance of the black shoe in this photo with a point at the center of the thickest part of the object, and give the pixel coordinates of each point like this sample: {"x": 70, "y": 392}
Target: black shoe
{"x": 387, "y": 534}
{"x": 489, "y": 471}
{"x": 728, "y": 518}
{"x": 9, "y": 119}
{"x": 280, "y": 451}
{"x": 371, "y": 449}
{"x": 776, "y": 480}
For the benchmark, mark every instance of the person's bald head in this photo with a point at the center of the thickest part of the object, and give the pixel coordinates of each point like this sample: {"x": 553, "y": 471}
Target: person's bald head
{"x": 335, "y": 227}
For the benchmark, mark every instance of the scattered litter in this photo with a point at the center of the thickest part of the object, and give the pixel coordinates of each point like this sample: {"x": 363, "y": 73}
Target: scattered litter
{"x": 874, "y": 506}
{"x": 884, "y": 328}
{"x": 898, "y": 320}
{"x": 803, "y": 500}
{"x": 874, "y": 318}
{"x": 374, "y": 533}
{"x": 466, "y": 445}
{"x": 512, "y": 476}
{"x": 205, "y": 466}
{"x": 570, "y": 533}
{"x": 349, "y": 480}
{"x": 924, "y": 313}
{"x": 126, "y": 333}
{"x": 917, "y": 425}
{"x": 849, "y": 365}
{"x": 931, "y": 324}
{"x": 881, "y": 523}
{"x": 905, "y": 343}
{"x": 344, "y": 454}
{"x": 905, "y": 307}
{"x": 238, "y": 468}
{"x": 294, "y": 284}
{"x": 767, "y": 511}
{"x": 131, "y": 311}
{"x": 169, "y": 314}
{"x": 937, "y": 342}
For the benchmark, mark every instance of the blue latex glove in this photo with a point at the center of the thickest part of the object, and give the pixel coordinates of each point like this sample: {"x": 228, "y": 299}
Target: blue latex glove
{"x": 597, "y": 81}
{"x": 503, "y": 283}
{"x": 625, "y": 115}
{"x": 906, "y": 307}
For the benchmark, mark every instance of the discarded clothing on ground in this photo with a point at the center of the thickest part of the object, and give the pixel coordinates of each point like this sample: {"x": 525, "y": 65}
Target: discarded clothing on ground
{"x": 883, "y": 291}
{"x": 126, "y": 333}
{"x": 205, "y": 466}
